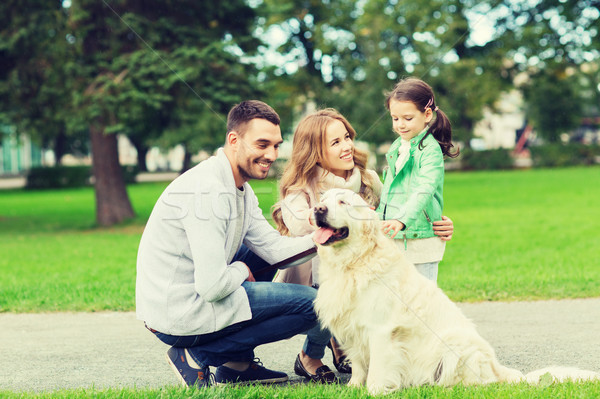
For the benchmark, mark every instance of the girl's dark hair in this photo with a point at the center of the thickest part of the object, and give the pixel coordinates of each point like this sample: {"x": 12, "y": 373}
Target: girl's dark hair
{"x": 421, "y": 94}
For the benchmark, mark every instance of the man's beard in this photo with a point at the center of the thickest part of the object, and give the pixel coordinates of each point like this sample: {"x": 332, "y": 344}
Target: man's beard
{"x": 246, "y": 173}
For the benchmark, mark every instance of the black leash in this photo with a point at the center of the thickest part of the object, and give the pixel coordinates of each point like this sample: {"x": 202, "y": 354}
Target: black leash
{"x": 286, "y": 261}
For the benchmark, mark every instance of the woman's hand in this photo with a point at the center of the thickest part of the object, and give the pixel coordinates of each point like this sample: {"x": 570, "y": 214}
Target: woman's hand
{"x": 391, "y": 227}
{"x": 443, "y": 228}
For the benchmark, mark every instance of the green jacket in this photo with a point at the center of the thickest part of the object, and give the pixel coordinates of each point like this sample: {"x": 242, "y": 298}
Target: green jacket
{"x": 414, "y": 196}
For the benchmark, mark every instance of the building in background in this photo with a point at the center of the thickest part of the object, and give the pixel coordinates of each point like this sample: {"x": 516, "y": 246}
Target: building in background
{"x": 498, "y": 129}
{"x": 17, "y": 153}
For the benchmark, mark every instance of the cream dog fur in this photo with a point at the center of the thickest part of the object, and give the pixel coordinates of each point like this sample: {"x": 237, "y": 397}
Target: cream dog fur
{"x": 397, "y": 327}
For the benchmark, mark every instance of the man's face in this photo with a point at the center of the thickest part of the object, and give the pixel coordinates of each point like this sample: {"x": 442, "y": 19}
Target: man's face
{"x": 256, "y": 150}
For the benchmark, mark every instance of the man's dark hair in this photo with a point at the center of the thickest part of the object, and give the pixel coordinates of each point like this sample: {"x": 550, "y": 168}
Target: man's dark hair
{"x": 245, "y": 111}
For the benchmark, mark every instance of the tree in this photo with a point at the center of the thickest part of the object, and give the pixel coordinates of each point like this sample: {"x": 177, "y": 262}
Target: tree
{"x": 147, "y": 69}
{"x": 555, "y": 43}
{"x": 553, "y": 103}
{"x": 354, "y": 51}
{"x": 310, "y": 54}
{"x": 197, "y": 114}
{"x": 171, "y": 58}
{"x": 34, "y": 86}
{"x": 345, "y": 54}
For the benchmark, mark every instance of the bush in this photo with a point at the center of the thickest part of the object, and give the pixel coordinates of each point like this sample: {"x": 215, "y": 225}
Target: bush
{"x": 40, "y": 178}
{"x": 129, "y": 173}
{"x": 564, "y": 154}
{"x": 488, "y": 159}
{"x": 58, "y": 177}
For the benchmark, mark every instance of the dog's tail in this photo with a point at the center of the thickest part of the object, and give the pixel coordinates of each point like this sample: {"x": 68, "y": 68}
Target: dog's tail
{"x": 560, "y": 374}
{"x": 506, "y": 374}
{"x": 478, "y": 367}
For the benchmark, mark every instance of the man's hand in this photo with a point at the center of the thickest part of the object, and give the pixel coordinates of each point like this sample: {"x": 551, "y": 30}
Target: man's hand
{"x": 443, "y": 228}
{"x": 250, "y": 275}
{"x": 393, "y": 226}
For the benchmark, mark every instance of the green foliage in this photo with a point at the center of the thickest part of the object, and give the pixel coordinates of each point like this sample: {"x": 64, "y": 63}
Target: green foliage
{"x": 553, "y": 103}
{"x": 354, "y": 51}
{"x": 166, "y": 73}
{"x": 34, "y": 84}
{"x": 486, "y": 160}
{"x": 146, "y": 69}
{"x": 165, "y": 69}
{"x": 69, "y": 176}
{"x": 345, "y": 54}
{"x": 546, "y": 32}
{"x": 554, "y": 45}
{"x": 558, "y": 154}
{"x": 130, "y": 172}
{"x": 58, "y": 177}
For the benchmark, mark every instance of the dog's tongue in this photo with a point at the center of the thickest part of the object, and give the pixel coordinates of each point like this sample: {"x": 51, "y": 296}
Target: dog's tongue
{"x": 323, "y": 234}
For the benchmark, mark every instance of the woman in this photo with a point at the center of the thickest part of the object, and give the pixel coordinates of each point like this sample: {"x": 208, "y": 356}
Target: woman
{"x": 323, "y": 157}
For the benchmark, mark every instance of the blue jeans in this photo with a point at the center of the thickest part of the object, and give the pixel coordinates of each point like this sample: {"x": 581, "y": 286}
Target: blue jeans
{"x": 279, "y": 311}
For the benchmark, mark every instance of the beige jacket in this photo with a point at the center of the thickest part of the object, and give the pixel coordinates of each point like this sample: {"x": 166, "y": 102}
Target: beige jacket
{"x": 296, "y": 208}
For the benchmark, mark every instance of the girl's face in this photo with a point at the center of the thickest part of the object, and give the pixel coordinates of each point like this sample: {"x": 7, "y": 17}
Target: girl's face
{"x": 408, "y": 121}
{"x": 339, "y": 149}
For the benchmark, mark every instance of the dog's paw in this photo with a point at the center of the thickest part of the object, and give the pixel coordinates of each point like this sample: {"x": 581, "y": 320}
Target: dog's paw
{"x": 355, "y": 382}
{"x": 376, "y": 389}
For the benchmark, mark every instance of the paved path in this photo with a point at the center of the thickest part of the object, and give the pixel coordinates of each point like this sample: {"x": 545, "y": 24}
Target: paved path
{"x": 44, "y": 352}
{"x": 12, "y": 182}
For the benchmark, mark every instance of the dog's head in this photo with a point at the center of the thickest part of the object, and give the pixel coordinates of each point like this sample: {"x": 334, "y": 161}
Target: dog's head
{"x": 343, "y": 217}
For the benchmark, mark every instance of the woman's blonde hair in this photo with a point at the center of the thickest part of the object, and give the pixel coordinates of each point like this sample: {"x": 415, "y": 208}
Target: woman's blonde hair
{"x": 308, "y": 152}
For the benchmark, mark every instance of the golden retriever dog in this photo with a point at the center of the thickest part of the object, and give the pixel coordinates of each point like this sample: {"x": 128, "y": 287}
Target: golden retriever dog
{"x": 397, "y": 327}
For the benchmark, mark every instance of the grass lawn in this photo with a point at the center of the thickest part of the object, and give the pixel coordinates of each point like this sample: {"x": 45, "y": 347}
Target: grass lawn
{"x": 522, "y": 235}
{"x": 519, "y": 235}
{"x": 565, "y": 390}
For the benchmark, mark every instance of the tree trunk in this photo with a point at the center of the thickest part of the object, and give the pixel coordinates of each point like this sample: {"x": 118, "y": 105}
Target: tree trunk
{"x": 142, "y": 151}
{"x": 60, "y": 146}
{"x": 112, "y": 202}
{"x": 187, "y": 161}
{"x": 467, "y": 126}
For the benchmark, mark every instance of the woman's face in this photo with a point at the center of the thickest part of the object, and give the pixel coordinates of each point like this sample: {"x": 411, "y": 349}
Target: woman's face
{"x": 339, "y": 149}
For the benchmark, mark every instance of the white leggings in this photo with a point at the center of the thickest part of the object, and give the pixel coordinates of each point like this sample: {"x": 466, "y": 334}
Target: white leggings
{"x": 429, "y": 270}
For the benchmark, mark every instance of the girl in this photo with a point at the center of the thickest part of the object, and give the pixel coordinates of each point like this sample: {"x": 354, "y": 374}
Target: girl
{"x": 411, "y": 198}
{"x": 323, "y": 157}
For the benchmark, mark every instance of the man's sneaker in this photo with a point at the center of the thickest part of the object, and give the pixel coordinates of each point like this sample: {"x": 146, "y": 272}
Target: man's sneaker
{"x": 255, "y": 373}
{"x": 188, "y": 375}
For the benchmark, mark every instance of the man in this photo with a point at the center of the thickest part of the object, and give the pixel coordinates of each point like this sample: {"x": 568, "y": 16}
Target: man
{"x": 195, "y": 285}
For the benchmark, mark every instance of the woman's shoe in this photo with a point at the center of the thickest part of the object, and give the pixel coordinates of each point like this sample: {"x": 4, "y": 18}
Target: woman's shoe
{"x": 343, "y": 364}
{"x": 324, "y": 375}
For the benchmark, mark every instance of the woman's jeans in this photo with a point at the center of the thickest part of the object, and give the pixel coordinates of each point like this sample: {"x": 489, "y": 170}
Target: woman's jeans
{"x": 279, "y": 311}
